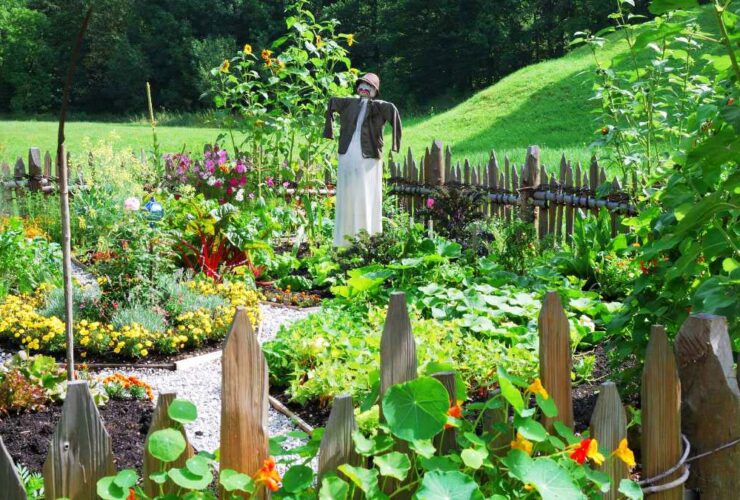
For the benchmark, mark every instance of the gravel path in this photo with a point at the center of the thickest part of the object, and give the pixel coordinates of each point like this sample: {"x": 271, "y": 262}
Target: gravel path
{"x": 202, "y": 386}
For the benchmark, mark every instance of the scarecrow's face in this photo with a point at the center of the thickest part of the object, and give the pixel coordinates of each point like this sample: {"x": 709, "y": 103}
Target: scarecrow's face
{"x": 365, "y": 90}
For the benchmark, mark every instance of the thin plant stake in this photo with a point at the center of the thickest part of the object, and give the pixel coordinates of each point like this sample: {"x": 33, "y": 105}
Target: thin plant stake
{"x": 64, "y": 197}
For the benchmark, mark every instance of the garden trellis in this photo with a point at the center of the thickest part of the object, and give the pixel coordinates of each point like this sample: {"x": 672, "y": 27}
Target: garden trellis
{"x": 689, "y": 389}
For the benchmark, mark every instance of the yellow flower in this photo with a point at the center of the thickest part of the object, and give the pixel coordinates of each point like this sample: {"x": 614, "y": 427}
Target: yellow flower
{"x": 266, "y": 54}
{"x": 144, "y": 352}
{"x": 319, "y": 42}
{"x": 522, "y": 443}
{"x": 624, "y": 453}
{"x": 593, "y": 452}
{"x": 350, "y": 39}
{"x": 537, "y": 388}
{"x": 247, "y": 49}
{"x": 225, "y": 66}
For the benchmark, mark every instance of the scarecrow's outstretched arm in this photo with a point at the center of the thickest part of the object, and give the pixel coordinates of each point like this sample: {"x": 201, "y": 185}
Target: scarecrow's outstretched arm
{"x": 336, "y": 104}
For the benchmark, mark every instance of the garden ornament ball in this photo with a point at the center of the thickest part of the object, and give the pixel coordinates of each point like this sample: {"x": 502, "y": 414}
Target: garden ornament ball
{"x": 154, "y": 209}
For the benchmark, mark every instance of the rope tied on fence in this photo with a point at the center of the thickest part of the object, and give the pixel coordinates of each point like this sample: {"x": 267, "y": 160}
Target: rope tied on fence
{"x": 683, "y": 464}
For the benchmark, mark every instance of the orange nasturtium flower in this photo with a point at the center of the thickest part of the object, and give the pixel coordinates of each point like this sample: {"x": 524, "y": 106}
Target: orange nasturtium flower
{"x": 225, "y": 66}
{"x": 454, "y": 411}
{"x": 267, "y": 475}
{"x": 587, "y": 449}
{"x": 247, "y": 49}
{"x": 537, "y": 388}
{"x": 522, "y": 443}
{"x": 625, "y": 454}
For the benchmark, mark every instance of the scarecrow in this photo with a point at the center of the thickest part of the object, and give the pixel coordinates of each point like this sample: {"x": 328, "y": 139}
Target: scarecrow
{"x": 360, "y": 172}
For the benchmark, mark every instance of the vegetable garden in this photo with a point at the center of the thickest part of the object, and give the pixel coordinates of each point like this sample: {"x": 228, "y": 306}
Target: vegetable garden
{"x": 537, "y": 331}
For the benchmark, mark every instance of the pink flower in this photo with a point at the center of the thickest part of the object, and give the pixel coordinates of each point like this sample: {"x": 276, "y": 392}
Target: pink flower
{"x": 210, "y": 166}
{"x": 242, "y": 181}
{"x": 218, "y": 183}
{"x": 286, "y": 184}
{"x": 251, "y": 196}
{"x": 270, "y": 182}
{"x": 132, "y": 204}
{"x": 229, "y": 191}
{"x": 430, "y": 203}
{"x": 241, "y": 167}
{"x": 234, "y": 182}
{"x": 221, "y": 201}
{"x": 222, "y": 156}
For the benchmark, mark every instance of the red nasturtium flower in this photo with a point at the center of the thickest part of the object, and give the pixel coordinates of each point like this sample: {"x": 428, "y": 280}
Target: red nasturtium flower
{"x": 267, "y": 475}
{"x": 131, "y": 494}
{"x": 455, "y": 411}
{"x": 587, "y": 448}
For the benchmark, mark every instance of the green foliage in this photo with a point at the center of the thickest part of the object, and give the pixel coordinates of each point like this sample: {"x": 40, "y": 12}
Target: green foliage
{"x": 27, "y": 383}
{"x": 33, "y": 482}
{"x": 25, "y": 263}
{"x": 140, "y": 315}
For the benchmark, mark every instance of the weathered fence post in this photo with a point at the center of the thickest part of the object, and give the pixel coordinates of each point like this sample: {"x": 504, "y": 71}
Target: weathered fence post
{"x": 609, "y": 427}
{"x": 710, "y": 407}
{"x": 10, "y": 483}
{"x": 397, "y": 362}
{"x": 161, "y": 420}
{"x": 555, "y": 358}
{"x": 435, "y": 168}
{"x": 661, "y": 413}
{"x": 80, "y": 451}
{"x": 244, "y": 399}
{"x": 529, "y": 182}
{"x": 34, "y": 169}
{"x": 447, "y": 441}
{"x": 337, "y": 447}
{"x": 397, "y": 347}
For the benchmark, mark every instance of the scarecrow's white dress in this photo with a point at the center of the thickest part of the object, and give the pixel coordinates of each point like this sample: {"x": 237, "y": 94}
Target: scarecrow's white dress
{"x": 359, "y": 189}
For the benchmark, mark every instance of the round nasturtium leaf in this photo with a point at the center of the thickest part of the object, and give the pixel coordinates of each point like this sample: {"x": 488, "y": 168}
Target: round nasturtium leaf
{"x": 333, "y": 488}
{"x": 198, "y": 465}
{"x": 452, "y": 485}
{"x": 297, "y": 478}
{"x": 232, "y": 480}
{"x": 107, "y": 489}
{"x": 416, "y": 409}
{"x": 183, "y": 411}
{"x": 393, "y": 464}
{"x": 186, "y": 479}
{"x": 166, "y": 445}
{"x": 127, "y": 478}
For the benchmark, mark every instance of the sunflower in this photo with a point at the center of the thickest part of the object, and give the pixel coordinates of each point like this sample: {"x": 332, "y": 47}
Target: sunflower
{"x": 247, "y": 49}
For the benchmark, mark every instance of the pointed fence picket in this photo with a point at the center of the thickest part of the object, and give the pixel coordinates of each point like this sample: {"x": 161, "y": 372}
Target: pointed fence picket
{"x": 80, "y": 451}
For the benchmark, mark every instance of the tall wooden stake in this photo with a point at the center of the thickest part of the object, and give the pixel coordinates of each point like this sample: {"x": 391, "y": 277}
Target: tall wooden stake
{"x": 64, "y": 197}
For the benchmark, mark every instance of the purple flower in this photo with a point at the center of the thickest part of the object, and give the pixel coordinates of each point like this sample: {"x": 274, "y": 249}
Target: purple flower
{"x": 219, "y": 183}
{"x": 210, "y": 166}
{"x": 430, "y": 203}
{"x": 270, "y": 182}
{"x": 222, "y": 156}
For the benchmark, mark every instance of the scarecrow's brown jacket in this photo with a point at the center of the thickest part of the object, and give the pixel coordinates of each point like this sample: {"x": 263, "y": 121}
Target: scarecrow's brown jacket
{"x": 371, "y": 138}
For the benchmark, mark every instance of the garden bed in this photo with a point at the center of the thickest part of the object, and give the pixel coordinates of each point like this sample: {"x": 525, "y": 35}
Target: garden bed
{"x": 27, "y": 435}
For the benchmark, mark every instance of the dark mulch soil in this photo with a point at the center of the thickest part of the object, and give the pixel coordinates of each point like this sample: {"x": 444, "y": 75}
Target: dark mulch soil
{"x": 312, "y": 412}
{"x": 153, "y": 359}
{"x": 27, "y": 435}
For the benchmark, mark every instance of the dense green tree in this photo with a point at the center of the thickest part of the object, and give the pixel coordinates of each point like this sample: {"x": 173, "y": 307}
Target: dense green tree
{"x": 428, "y": 52}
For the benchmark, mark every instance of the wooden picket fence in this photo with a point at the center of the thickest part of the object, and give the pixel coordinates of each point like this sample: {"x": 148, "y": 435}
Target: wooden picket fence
{"x": 692, "y": 390}
{"x": 527, "y": 192}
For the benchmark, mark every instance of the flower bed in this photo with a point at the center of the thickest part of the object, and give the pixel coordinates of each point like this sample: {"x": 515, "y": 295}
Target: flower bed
{"x": 22, "y": 323}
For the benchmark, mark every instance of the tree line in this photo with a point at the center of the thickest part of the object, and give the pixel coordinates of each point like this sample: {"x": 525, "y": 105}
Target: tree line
{"x": 427, "y": 52}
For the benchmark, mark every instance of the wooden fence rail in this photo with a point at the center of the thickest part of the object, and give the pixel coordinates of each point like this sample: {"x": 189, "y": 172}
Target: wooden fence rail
{"x": 547, "y": 201}
{"x": 80, "y": 451}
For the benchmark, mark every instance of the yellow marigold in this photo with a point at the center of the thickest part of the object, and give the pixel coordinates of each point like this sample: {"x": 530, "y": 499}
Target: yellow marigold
{"x": 247, "y": 49}
{"x": 225, "y": 66}
{"x": 625, "y": 454}
{"x": 522, "y": 443}
{"x": 537, "y": 388}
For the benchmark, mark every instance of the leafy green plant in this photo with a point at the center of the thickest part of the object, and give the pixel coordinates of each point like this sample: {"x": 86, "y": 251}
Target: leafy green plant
{"x": 140, "y": 315}
{"x": 33, "y": 482}
{"x": 26, "y": 263}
